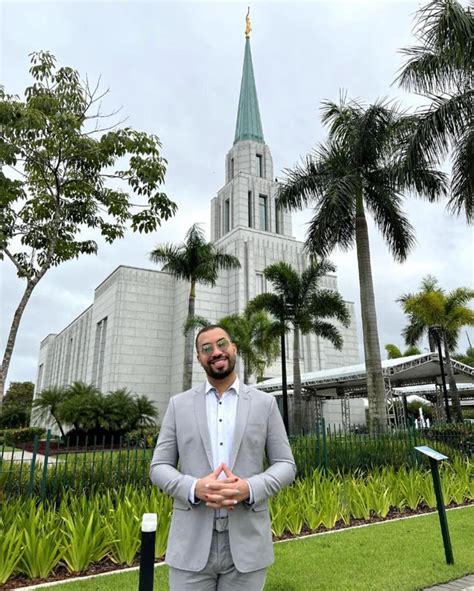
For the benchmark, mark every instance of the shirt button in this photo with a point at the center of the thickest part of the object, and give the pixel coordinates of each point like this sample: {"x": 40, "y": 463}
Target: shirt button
{"x": 221, "y": 443}
{"x": 220, "y": 402}
{"x": 220, "y": 420}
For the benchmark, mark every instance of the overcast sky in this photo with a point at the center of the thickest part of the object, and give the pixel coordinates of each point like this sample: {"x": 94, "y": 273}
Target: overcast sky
{"x": 175, "y": 68}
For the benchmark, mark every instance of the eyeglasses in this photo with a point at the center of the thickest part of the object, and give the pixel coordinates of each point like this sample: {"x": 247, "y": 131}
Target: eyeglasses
{"x": 208, "y": 348}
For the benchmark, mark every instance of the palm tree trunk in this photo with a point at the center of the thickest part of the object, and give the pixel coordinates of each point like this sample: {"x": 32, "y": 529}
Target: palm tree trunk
{"x": 297, "y": 399}
{"x": 188, "y": 342}
{"x": 373, "y": 363}
{"x": 30, "y": 285}
{"x": 453, "y": 389}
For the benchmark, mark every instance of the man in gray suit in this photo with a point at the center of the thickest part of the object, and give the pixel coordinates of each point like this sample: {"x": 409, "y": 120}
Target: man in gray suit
{"x": 210, "y": 458}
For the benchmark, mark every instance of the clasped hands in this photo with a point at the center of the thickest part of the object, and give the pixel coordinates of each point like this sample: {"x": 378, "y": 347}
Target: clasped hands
{"x": 222, "y": 493}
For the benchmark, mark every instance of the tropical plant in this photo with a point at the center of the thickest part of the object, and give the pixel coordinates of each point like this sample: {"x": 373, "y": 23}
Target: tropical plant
{"x": 299, "y": 300}
{"x": 145, "y": 413}
{"x": 441, "y": 315}
{"x": 195, "y": 261}
{"x": 393, "y": 352}
{"x": 257, "y": 338}
{"x": 363, "y": 167}
{"x": 62, "y": 175}
{"x": 10, "y": 551}
{"x": 440, "y": 67}
{"x": 119, "y": 410}
{"x": 46, "y": 405}
{"x": 467, "y": 358}
{"x": 84, "y": 407}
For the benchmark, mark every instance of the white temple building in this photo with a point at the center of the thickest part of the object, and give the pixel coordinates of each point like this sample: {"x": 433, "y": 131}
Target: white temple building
{"x": 131, "y": 336}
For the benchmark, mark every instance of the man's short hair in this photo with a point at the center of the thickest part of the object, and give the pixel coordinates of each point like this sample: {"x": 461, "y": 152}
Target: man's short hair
{"x": 208, "y": 328}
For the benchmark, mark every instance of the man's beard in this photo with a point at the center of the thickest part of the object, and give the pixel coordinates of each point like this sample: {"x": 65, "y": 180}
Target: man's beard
{"x": 220, "y": 374}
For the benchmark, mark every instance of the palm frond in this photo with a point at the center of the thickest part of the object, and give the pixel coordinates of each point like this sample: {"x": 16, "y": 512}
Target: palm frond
{"x": 384, "y": 204}
{"x": 328, "y": 331}
{"x": 328, "y": 303}
{"x": 444, "y": 57}
{"x": 285, "y": 280}
{"x": 413, "y": 331}
{"x": 393, "y": 352}
{"x": 301, "y": 184}
{"x": 462, "y": 182}
{"x": 270, "y": 302}
{"x": 311, "y": 275}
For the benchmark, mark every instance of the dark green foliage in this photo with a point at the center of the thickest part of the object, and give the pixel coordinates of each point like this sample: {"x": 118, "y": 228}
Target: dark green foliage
{"x": 143, "y": 438}
{"x": 94, "y": 414}
{"x": 441, "y": 68}
{"x": 467, "y": 358}
{"x": 64, "y": 173}
{"x": 16, "y": 436}
{"x": 16, "y": 411}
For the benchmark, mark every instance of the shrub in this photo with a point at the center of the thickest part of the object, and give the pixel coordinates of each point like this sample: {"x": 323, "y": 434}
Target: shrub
{"x": 15, "y": 436}
{"x": 144, "y": 438}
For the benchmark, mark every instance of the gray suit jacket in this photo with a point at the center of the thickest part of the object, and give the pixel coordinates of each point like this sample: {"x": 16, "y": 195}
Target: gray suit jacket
{"x": 183, "y": 453}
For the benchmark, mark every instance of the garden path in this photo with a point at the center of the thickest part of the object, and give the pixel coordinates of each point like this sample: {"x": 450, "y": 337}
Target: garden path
{"x": 464, "y": 584}
{"x": 27, "y": 456}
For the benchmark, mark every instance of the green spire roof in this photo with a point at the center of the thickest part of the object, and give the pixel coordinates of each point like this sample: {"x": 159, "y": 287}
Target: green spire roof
{"x": 249, "y": 125}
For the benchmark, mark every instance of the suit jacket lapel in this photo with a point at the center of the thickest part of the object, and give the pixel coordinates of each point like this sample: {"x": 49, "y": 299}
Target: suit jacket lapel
{"x": 201, "y": 418}
{"x": 243, "y": 407}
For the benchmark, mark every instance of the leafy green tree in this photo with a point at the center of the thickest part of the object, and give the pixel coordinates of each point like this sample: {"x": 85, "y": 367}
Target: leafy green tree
{"x": 46, "y": 405}
{"x": 195, "y": 261}
{"x": 20, "y": 393}
{"x": 63, "y": 174}
{"x": 435, "y": 313}
{"x": 297, "y": 299}
{"x": 362, "y": 168}
{"x": 16, "y": 411}
{"x": 393, "y": 352}
{"x": 467, "y": 358}
{"x": 440, "y": 67}
{"x": 257, "y": 338}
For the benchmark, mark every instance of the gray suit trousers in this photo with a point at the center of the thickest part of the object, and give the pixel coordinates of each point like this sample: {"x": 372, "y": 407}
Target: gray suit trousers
{"x": 219, "y": 573}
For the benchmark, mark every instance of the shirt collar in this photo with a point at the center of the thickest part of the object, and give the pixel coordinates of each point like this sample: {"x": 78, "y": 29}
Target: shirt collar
{"x": 235, "y": 386}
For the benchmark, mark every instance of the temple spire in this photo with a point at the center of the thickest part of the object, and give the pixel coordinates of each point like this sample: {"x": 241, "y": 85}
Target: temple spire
{"x": 249, "y": 125}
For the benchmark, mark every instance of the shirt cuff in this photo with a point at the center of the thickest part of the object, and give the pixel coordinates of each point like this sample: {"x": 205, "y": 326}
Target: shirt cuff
{"x": 250, "y": 500}
{"x": 192, "y": 495}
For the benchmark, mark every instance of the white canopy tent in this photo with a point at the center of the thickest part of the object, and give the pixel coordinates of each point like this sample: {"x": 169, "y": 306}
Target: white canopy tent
{"x": 421, "y": 373}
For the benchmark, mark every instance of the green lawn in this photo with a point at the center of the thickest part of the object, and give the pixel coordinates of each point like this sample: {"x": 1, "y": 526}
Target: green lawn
{"x": 405, "y": 555}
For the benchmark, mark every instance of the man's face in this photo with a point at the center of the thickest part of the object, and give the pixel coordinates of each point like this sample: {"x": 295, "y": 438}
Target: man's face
{"x": 219, "y": 355}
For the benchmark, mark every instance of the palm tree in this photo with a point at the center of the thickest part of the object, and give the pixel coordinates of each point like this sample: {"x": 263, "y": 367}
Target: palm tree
{"x": 145, "y": 412}
{"x": 84, "y": 407}
{"x": 257, "y": 338}
{"x": 393, "y": 352}
{"x": 298, "y": 300}
{"x": 47, "y": 404}
{"x": 361, "y": 168}
{"x": 440, "y": 68}
{"x": 196, "y": 261}
{"x": 440, "y": 315}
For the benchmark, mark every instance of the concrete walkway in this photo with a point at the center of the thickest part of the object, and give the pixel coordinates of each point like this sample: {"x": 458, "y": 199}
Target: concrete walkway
{"x": 464, "y": 584}
{"x": 27, "y": 457}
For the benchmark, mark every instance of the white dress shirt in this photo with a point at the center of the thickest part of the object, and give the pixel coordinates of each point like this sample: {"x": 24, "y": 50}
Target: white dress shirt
{"x": 221, "y": 415}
